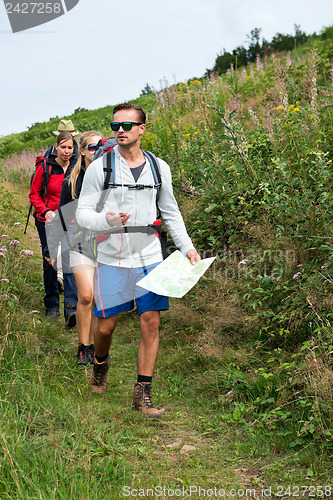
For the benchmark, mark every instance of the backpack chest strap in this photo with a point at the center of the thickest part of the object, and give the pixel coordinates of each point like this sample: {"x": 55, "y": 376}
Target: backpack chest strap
{"x": 134, "y": 186}
{"x": 110, "y": 176}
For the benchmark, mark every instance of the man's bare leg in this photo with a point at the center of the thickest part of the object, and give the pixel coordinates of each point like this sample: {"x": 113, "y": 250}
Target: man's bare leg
{"x": 147, "y": 354}
{"x": 149, "y": 343}
{"x": 103, "y": 335}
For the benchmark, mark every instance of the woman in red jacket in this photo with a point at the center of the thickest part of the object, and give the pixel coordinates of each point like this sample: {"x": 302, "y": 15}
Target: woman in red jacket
{"x": 45, "y": 207}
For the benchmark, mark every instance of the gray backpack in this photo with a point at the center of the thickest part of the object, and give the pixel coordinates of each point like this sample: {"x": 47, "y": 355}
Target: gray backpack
{"x": 103, "y": 146}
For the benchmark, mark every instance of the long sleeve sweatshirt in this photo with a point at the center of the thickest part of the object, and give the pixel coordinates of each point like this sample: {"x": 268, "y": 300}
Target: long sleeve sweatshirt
{"x": 138, "y": 249}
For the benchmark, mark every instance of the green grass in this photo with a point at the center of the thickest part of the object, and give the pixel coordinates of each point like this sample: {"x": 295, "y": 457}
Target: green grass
{"x": 59, "y": 441}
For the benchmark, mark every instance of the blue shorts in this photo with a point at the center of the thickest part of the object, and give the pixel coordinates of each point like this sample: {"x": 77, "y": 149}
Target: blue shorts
{"x": 116, "y": 290}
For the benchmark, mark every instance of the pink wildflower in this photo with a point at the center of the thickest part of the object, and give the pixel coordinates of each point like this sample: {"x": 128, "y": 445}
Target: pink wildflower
{"x": 28, "y": 253}
{"x": 5, "y": 280}
{"x": 4, "y": 236}
{"x": 244, "y": 261}
{"x": 323, "y": 266}
{"x": 14, "y": 243}
{"x": 17, "y": 224}
{"x": 259, "y": 64}
{"x": 296, "y": 276}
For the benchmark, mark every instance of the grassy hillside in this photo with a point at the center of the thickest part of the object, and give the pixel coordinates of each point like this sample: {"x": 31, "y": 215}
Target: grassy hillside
{"x": 40, "y": 135}
{"x": 245, "y": 368}
{"x": 252, "y": 163}
{"x": 59, "y": 441}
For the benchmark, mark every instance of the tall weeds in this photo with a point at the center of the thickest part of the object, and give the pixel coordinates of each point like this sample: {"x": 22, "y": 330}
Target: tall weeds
{"x": 19, "y": 167}
{"x": 251, "y": 152}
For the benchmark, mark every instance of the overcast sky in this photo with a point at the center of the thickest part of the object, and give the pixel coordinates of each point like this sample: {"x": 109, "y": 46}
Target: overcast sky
{"x": 104, "y": 52}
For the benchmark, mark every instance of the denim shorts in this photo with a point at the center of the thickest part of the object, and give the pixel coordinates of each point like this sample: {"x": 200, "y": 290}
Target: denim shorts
{"x": 117, "y": 289}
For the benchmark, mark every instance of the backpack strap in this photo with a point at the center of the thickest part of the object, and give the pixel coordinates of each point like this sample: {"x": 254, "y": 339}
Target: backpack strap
{"x": 46, "y": 176}
{"x": 109, "y": 170}
{"x": 155, "y": 168}
{"x": 62, "y": 220}
{"x": 149, "y": 230}
{"x": 63, "y": 224}
{"x": 110, "y": 176}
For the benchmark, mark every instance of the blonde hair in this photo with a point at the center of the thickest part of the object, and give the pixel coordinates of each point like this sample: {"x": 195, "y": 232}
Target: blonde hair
{"x": 83, "y": 143}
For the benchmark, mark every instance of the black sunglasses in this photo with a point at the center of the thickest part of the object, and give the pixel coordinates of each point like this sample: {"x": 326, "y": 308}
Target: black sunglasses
{"x": 91, "y": 147}
{"x": 125, "y": 125}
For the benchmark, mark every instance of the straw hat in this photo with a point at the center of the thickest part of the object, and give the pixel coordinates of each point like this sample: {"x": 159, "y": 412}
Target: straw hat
{"x": 66, "y": 126}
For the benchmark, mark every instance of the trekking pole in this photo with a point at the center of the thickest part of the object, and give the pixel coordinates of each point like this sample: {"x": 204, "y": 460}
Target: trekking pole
{"x": 30, "y": 209}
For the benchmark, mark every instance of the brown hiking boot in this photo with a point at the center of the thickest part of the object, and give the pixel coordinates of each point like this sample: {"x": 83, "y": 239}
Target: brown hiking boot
{"x": 142, "y": 400}
{"x": 98, "y": 381}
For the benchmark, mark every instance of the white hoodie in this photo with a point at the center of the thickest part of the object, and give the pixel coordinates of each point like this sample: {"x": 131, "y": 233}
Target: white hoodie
{"x": 135, "y": 249}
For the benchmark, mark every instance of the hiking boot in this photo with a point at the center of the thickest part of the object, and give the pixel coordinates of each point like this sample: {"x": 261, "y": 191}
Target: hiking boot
{"x": 71, "y": 320}
{"x": 98, "y": 381}
{"x": 91, "y": 354}
{"x": 53, "y": 314}
{"x": 83, "y": 355}
{"x": 142, "y": 400}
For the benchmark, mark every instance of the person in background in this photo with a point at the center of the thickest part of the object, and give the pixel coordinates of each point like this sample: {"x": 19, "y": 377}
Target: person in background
{"x": 45, "y": 210}
{"x": 64, "y": 126}
{"x": 82, "y": 261}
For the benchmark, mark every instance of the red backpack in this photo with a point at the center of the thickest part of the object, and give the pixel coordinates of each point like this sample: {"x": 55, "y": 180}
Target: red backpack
{"x": 40, "y": 160}
{"x": 104, "y": 146}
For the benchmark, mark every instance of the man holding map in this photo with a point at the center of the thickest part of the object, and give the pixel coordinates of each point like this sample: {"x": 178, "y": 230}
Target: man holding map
{"x": 131, "y": 249}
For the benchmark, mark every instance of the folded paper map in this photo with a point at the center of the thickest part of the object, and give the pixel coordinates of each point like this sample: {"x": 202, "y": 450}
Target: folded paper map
{"x": 175, "y": 276}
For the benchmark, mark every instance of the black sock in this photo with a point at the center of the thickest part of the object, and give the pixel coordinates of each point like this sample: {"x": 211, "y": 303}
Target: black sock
{"x": 143, "y": 378}
{"x": 101, "y": 359}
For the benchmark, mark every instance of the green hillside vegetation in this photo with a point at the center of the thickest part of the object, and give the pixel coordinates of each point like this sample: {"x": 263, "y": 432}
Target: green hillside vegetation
{"x": 281, "y": 42}
{"x": 245, "y": 368}
{"x": 39, "y": 136}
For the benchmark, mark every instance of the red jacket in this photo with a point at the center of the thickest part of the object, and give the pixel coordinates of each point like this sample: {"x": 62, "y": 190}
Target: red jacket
{"x": 52, "y": 198}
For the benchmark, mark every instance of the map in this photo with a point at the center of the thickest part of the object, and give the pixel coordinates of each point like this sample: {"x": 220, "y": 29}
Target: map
{"x": 175, "y": 276}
